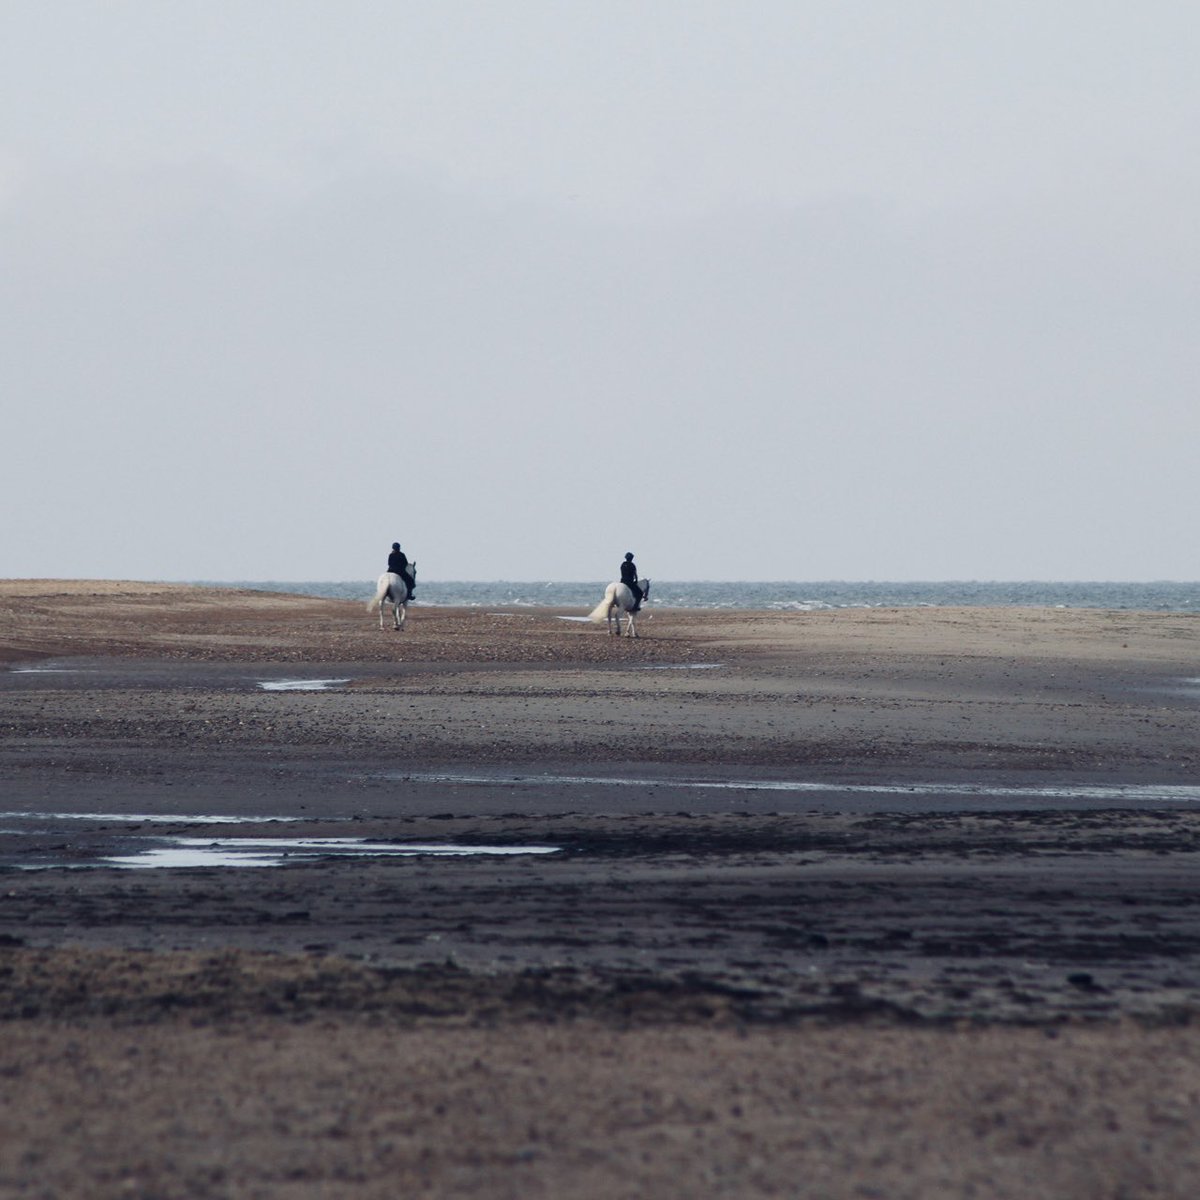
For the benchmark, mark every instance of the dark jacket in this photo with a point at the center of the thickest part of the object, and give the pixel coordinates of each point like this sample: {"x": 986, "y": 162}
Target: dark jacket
{"x": 398, "y": 562}
{"x": 628, "y": 573}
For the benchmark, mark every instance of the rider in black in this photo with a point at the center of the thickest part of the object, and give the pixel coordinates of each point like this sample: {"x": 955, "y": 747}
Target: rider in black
{"x": 398, "y": 565}
{"x": 629, "y": 577}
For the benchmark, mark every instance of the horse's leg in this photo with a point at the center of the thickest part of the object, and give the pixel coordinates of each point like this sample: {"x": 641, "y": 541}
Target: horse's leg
{"x": 632, "y": 627}
{"x": 402, "y": 611}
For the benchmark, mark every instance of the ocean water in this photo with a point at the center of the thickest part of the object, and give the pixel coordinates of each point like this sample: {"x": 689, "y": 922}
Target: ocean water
{"x": 797, "y": 597}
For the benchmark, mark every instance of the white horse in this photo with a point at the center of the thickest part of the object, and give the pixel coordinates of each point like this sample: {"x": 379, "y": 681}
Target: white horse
{"x": 392, "y": 590}
{"x": 618, "y": 599}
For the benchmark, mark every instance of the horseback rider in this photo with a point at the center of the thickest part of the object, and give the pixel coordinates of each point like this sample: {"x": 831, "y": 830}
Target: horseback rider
{"x": 630, "y": 579}
{"x": 398, "y": 565}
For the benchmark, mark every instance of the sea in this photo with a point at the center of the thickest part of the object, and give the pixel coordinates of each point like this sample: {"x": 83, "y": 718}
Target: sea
{"x": 771, "y": 596}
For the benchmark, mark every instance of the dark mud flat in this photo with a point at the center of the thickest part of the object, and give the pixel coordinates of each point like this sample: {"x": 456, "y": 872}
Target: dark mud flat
{"x": 1025, "y": 918}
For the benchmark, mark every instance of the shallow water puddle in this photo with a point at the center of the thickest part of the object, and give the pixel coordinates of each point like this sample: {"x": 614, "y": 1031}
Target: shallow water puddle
{"x": 274, "y": 852}
{"x": 300, "y": 685}
{"x": 52, "y": 671}
{"x": 142, "y": 818}
{"x": 681, "y": 667}
{"x": 1168, "y": 793}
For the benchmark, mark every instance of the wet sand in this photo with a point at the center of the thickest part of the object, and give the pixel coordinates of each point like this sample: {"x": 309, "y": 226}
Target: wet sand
{"x": 889, "y": 902}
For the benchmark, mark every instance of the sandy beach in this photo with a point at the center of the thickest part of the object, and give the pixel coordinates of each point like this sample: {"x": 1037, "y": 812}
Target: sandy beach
{"x": 894, "y": 903}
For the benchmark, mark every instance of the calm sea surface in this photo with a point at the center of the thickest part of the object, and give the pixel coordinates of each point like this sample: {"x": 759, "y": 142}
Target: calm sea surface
{"x": 799, "y": 597}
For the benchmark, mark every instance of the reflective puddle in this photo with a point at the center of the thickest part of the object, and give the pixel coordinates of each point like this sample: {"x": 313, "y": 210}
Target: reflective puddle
{"x": 300, "y": 685}
{"x": 118, "y": 842}
{"x": 681, "y": 667}
{"x": 1133, "y": 792}
{"x": 51, "y": 671}
{"x": 140, "y": 818}
{"x": 274, "y": 852}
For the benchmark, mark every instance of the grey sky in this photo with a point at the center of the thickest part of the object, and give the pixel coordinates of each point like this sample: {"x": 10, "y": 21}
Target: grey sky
{"x": 763, "y": 291}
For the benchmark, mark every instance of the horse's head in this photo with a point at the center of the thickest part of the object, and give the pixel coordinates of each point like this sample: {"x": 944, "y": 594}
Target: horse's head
{"x": 644, "y": 584}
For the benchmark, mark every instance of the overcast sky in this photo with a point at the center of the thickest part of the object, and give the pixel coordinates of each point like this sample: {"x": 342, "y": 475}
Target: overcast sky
{"x": 773, "y": 290}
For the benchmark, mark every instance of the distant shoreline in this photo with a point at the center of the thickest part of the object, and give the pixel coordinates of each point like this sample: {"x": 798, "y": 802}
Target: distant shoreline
{"x": 795, "y": 596}
{"x": 748, "y": 596}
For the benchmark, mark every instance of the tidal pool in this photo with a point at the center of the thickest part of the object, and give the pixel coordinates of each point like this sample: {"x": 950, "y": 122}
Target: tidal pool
{"x": 1122, "y": 792}
{"x": 274, "y": 852}
{"x": 681, "y": 667}
{"x": 300, "y": 685}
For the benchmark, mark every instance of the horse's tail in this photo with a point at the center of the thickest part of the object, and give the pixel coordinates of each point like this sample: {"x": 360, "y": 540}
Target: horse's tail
{"x": 380, "y": 592}
{"x": 599, "y": 614}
